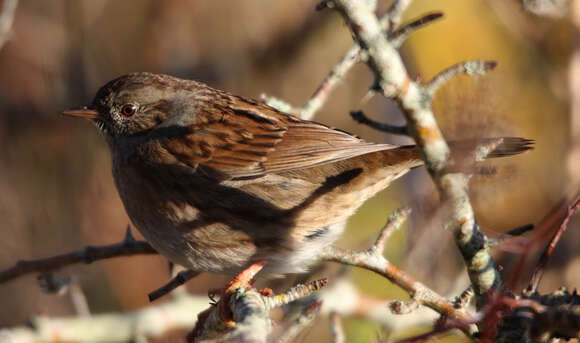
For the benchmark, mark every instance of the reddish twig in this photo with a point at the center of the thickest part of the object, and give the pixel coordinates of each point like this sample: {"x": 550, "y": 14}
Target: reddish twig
{"x": 129, "y": 246}
{"x": 540, "y": 267}
{"x": 541, "y": 232}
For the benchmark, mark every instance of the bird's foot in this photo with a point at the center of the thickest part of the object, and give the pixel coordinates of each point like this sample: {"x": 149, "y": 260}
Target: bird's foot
{"x": 243, "y": 279}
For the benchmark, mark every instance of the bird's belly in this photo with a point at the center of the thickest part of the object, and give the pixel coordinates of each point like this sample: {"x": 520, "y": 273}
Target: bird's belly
{"x": 179, "y": 231}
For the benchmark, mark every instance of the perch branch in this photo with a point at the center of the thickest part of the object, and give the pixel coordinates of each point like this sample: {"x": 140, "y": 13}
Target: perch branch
{"x": 251, "y": 314}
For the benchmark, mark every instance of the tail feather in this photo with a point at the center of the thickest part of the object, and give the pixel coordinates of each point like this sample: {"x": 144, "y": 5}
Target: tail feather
{"x": 510, "y": 146}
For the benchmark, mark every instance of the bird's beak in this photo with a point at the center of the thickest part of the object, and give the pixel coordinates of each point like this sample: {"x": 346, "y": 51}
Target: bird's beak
{"x": 84, "y": 112}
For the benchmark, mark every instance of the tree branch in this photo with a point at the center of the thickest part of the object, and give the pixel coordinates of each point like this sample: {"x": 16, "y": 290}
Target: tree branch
{"x": 179, "y": 279}
{"x": 391, "y": 19}
{"x": 373, "y": 260}
{"x": 129, "y": 246}
{"x": 414, "y": 100}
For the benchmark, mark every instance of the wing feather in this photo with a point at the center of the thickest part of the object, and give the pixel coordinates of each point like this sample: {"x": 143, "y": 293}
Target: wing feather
{"x": 249, "y": 139}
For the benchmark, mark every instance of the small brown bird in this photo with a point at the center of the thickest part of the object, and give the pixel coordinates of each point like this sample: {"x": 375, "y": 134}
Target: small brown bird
{"x": 216, "y": 182}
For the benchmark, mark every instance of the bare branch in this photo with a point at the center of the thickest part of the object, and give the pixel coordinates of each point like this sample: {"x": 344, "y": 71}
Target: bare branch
{"x": 399, "y": 36}
{"x": 151, "y": 322}
{"x": 539, "y": 270}
{"x": 336, "y": 74}
{"x": 339, "y": 71}
{"x": 295, "y": 293}
{"x": 394, "y": 80}
{"x": 250, "y": 311}
{"x": 360, "y": 117}
{"x": 344, "y": 298}
{"x": 373, "y": 260}
{"x": 128, "y": 247}
{"x": 394, "y": 222}
{"x": 181, "y": 278}
{"x": 476, "y": 67}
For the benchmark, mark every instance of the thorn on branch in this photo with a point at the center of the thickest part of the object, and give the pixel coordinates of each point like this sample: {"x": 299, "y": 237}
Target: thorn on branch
{"x": 361, "y": 118}
{"x": 129, "y": 238}
{"x": 399, "y": 36}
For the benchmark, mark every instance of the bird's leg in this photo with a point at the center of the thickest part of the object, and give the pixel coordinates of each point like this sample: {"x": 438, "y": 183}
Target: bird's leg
{"x": 243, "y": 279}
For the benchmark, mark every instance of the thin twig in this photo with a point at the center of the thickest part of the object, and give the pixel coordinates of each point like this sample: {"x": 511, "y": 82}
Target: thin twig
{"x": 6, "y": 20}
{"x": 399, "y": 36}
{"x": 129, "y": 246}
{"x": 540, "y": 267}
{"x": 361, "y": 118}
{"x": 336, "y": 74}
{"x": 388, "y": 21}
{"x": 178, "y": 280}
{"x": 394, "y": 223}
{"x": 295, "y": 293}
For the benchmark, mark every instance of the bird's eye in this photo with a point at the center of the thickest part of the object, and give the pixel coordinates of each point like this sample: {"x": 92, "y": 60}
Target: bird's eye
{"x": 128, "y": 110}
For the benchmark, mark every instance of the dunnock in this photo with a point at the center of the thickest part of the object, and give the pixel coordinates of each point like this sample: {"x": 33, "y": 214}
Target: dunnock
{"x": 215, "y": 181}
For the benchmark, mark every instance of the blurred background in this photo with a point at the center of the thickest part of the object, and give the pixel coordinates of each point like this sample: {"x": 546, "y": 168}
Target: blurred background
{"x": 56, "y": 189}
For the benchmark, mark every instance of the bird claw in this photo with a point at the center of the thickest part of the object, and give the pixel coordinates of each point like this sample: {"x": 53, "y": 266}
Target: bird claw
{"x": 243, "y": 279}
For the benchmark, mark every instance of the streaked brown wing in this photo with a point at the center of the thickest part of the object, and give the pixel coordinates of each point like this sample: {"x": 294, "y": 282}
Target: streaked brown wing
{"x": 250, "y": 139}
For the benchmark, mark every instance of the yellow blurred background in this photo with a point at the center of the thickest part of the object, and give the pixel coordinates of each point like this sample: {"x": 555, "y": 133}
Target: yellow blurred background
{"x": 57, "y": 193}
